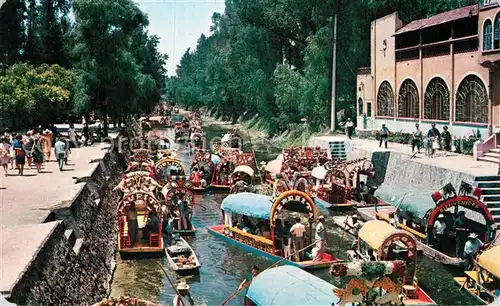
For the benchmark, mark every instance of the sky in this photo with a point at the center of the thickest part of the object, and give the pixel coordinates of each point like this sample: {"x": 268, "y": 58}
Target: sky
{"x": 179, "y": 24}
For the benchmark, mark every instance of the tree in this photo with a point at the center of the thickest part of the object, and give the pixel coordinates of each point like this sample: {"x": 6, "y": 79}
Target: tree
{"x": 12, "y": 37}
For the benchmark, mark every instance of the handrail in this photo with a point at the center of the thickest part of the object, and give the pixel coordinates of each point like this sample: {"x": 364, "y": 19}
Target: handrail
{"x": 489, "y": 143}
{"x": 254, "y": 237}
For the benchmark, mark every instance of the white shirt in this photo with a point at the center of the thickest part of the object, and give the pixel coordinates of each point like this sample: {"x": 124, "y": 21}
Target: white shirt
{"x": 439, "y": 227}
{"x": 185, "y": 299}
{"x": 298, "y": 230}
{"x": 394, "y": 222}
{"x": 320, "y": 231}
{"x": 472, "y": 246}
{"x": 355, "y": 228}
{"x": 349, "y": 124}
{"x": 60, "y": 147}
{"x": 72, "y": 133}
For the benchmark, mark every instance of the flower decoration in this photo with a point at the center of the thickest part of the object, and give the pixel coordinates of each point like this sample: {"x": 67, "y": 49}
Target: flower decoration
{"x": 338, "y": 270}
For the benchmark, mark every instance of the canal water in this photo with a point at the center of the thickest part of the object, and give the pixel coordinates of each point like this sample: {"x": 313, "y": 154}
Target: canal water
{"x": 224, "y": 266}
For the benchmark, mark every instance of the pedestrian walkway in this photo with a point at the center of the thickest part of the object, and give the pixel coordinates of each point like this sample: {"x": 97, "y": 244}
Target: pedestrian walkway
{"x": 28, "y": 199}
{"x": 455, "y": 162}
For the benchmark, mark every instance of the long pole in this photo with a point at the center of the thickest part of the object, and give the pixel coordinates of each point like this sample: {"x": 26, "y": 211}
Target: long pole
{"x": 271, "y": 266}
{"x": 334, "y": 72}
{"x": 172, "y": 284}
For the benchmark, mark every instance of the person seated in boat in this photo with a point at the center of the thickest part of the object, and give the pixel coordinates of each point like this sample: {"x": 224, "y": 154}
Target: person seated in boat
{"x": 246, "y": 225}
{"x": 151, "y": 225}
{"x": 183, "y": 298}
{"x": 363, "y": 193}
{"x": 246, "y": 282}
{"x": 471, "y": 248}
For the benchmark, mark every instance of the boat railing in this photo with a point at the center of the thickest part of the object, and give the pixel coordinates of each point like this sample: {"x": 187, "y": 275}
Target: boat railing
{"x": 403, "y": 226}
{"x": 255, "y": 241}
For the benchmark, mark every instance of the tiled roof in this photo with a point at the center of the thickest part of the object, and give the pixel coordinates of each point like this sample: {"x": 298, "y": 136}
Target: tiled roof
{"x": 445, "y": 17}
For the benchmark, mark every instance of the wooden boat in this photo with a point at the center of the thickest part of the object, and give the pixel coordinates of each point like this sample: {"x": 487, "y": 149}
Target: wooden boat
{"x": 180, "y": 256}
{"x": 288, "y": 285}
{"x": 266, "y": 209}
{"x": 202, "y": 161}
{"x": 390, "y": 244}
{"x": 417, "y": 212}
{"x": 152, "y": 245}
{"x": 485, "y": 274}
{"x": 168, "y": 166}
{"x": 178, "y": 188}
{"x": 241, "y": 179}
{"x": 337, "y": 182}
{"x": 222, "y": 173}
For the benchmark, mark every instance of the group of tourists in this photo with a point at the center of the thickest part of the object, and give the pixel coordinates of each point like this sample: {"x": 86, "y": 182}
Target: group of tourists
{"x": 467, "y": 244}
{"x": 434, "y": 141}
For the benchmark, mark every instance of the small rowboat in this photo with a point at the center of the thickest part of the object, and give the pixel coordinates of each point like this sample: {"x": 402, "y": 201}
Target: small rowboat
{"x": 189, "y": 232}
{"x": 180, "y": 256}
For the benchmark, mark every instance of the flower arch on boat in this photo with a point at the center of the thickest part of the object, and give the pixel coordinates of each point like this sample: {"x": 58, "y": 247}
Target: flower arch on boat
{"x": 167, "y": 162}
{"x": 181, "y": 193}
{"x": 300, "y": 200}
{"x": 146, "y": 199}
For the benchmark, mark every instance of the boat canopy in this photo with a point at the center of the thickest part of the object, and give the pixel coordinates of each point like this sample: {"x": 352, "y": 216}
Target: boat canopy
{"x": 490, "y": 261}
{"x": 415, "y": 200}
{"x": 248, "y": 204}
{"x": 274, "y": 166}
{"x": 375, "y": 232}
{"x": 245, "y": 169}
{"x": 226, "y": 137}
{"x": 289, "y": 285}
{"x": 319, "y": 172}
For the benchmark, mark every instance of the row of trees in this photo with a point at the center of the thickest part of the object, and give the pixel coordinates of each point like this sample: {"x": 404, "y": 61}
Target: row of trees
{"x": 101, "y": 60}
{"x": 272, "y": 58}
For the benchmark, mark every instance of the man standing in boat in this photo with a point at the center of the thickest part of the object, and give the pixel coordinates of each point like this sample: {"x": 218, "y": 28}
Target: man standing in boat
{"x": 246, "y": 282}
{"x": 184, "y": 297}
{"x": 355, "y": 227}
{"x": 439, "y": 229}
{"x": 320, "y": 238}
{"x": 461, "y": 232}
{"x": 472, "y": 246}
{"x": 133, "y": 226}
{"x": 298, "y": 231}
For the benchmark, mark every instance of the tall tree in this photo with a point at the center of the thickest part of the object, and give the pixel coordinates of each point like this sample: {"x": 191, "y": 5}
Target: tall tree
{"x": 12, "y": 32}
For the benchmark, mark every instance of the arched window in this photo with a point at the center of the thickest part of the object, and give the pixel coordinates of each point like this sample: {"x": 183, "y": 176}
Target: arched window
{"x": 487, "y": 35}
{"x": 437, "y": 100}
{"x": 496, "y": 37}
{"x": 360, "y": 107}
{"x": 385, "y": 100}
{"x": 408, "y": 102}
{"x": 471, "y": 101}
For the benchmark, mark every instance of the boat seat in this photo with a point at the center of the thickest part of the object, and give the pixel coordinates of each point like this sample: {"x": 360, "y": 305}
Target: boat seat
{"x": 154, "y": 238}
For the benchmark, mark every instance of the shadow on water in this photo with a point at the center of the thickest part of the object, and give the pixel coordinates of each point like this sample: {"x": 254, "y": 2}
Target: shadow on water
{"x": 225, "y": 266}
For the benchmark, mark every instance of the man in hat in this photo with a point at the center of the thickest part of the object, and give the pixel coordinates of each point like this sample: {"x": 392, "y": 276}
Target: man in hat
{"x": 183, "y": 297}
{"x": 461, "y": 232}
{"x": 384, "y": 135}
{"x": 355, "y": 227}
{"x": 349, "y": 126}
{"x": 439, "y": 229}
{"x": 320, "y": 238}
{"x": 472, "y": 246}
{"x": 298, "y": 231}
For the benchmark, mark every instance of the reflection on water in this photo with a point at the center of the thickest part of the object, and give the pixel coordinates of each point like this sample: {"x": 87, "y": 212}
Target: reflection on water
{"x": 224, "y": 266}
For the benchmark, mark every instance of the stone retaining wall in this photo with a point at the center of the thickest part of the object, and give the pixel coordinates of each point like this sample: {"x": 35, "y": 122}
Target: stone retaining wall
{"x": 65, "y": 273}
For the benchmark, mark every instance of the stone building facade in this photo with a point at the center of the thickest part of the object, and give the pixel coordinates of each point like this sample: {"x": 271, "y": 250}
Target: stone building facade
{"x": 444, "y": 69}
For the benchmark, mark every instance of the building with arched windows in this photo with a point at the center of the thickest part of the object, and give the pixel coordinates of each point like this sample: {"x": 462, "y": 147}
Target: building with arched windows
{"x": 444, "y": 69}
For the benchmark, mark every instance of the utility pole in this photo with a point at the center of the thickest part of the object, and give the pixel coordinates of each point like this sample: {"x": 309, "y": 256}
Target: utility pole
{"x": 334, "y": 71}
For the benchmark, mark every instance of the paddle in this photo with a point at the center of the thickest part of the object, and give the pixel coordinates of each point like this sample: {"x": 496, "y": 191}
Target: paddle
{"x": 171, "y": 283}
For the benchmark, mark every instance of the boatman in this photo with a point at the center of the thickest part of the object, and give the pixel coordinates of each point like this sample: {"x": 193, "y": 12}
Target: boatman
{"x": 355, "y": 227}
{"x": 439, "y": 229}
{"x": 246, "y": 282}
{"x": 320, "y": 238}
{"x": 461, "y": 232}
{"x": 298, "y": 231}
{"x": 472, "y": 246}
{"x": 184, "y": 297}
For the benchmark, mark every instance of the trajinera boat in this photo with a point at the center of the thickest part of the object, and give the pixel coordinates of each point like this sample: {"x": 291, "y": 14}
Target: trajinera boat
{"x": 180, "y": 255}
{"x": 483, "y": 282}
{"x": 288, "y": 285}
{"x": 179, "y": 189}
{"x": 417, "y": 210}
{"x": 148, "y": 240}
{"x": 389, "y": 244}
{"x": 265, "y": 210}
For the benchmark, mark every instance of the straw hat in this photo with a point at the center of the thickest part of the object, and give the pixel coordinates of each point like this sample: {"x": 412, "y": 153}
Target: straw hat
{"x": 182, "y": 286}
{"x": 355, "y": 216}
{"x": 472, "y": 236}
{"x": 440, "y": 216}
{"x": 263, "y": 163}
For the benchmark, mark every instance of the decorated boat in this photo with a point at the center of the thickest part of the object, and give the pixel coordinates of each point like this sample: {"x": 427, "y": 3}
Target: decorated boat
{"x": 483, "y": 282}
{"x": 201, "y": 170}
{"x": 289, "y": 285}
{"x": 387, "y": 243}
{"x": 137, "y": 181}
{"x": 338, "y": 183}
{"x": 180, "y": 256}
{"x": 242, "y": 179}
{"x": 167, "y": 166}
{"x": 148, "y": 241}
{"x": 197, "y": 141}
{"x": 418, "y": 210}
{"x": 222, "y": 174}
{"x": 264, "y": 239}
{"x": 175, "y": 190}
